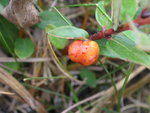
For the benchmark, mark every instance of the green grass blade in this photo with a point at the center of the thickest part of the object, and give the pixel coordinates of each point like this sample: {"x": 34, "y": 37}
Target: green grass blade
{"x": 124, "y": 85}
{"x": 109, "y": 75}
{"x": 46, "y": 91}
{"x": 41, "y": 78}
{"x": 77, "y": 5}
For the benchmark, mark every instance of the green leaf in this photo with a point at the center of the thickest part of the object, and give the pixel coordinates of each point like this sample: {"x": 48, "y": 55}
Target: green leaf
{"x": 9, "y": 33}
{"x": 89, "y": 77}
{"x": 128, "y": 9}
{"x": 68, "y": 32}
{"x": 58, "y": 36}
{"x": 1, "y": 8}
{"x": 4, "y": 2}
{"x": 58, "y": 43}
{"x": 124, "y": 48}
{"x": 24, "y": 47}
{"x": 141, "y": 39}
{"x": 143, "y": 42}
{"x": 130, "y": 34}
{"x": 49, "y": 27}
{"x": 12, "y": 65}
{"x": 53, "y": 18}
{"x": 101, "y": 16}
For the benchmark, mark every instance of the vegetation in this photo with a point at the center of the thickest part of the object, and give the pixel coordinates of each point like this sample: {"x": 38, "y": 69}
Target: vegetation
{"x": 42, "y": 42}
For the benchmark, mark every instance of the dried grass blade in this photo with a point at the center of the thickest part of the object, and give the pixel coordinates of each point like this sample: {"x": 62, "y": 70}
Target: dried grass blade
{"x": 10, "y": 81}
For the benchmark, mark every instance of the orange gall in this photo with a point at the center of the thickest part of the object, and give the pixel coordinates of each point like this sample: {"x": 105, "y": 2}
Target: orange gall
{"x": 84, "y": 52}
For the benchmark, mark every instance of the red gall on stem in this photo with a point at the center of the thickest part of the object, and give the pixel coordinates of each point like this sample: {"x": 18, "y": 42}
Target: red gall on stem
{"x": 84, "y": 52}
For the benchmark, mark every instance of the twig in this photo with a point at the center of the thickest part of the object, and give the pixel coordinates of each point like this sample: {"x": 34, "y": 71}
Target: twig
{"x": 105, "y": 95}
{"x": 86, "y": 15}
{"x": 15, "y": 71}
{"x": 130, "y": 90}
{"x": 6, "y": 93}
{"x": 142, "y": 20}
{"x": 83, "y": 101}
{"x": 10, "y": 81}
{"x": 59, "y": 65}
{"x": 111, "y": 91}
{"x": 29, "y": 60}
{"x": 141, "y": 105}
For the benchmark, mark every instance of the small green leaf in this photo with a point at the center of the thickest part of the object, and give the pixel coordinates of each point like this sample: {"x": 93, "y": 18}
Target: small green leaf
{"x": 68, "y": 32}
{"x": 24, "y": 47}
{"x": 58, "y": 43}
{"x": 53, "y": 18}
{"x": 89, "y": 77}
{"x": 12, "y": 65}
{"x": 124, "y": 48}
{"x": 128, "y": 9}
{"x": 4, "y": 2}
{"x": 1, "y": 8}
{"x": 101, "y": 16}
{"x": 59, "y": 36}
{"x": 8, "y": 35}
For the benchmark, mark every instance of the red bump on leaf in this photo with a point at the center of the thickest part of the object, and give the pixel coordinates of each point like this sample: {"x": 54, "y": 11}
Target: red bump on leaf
{"x": 85, "y": 52}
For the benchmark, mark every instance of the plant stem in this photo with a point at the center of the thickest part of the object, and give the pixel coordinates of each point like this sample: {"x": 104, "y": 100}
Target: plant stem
{"x": 143, "y": 19}
{"x": 77, "y": 5}
{"x": 109, "y": 75}
{"x": 124, "y": 85}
